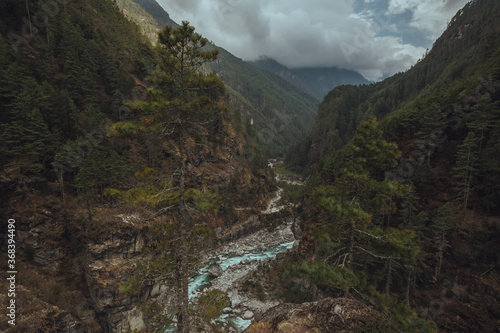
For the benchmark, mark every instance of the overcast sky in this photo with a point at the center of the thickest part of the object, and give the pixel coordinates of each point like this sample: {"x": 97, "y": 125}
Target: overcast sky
{"x": 374, "y": 37}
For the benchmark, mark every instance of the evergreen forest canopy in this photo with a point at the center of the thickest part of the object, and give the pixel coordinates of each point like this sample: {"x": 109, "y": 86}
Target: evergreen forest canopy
{"x": 450, "y": 95}
{"x": 95, "y": 117}
{"x": 404, "y": 174}
{"x": 62, "y": 82}
{"x": 280, "y": 112}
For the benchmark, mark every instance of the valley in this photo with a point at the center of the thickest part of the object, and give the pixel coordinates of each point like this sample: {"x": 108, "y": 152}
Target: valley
{"x": 159, "y": 183}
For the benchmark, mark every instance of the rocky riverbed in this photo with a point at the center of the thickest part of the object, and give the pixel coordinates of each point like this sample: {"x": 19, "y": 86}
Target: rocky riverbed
{"x": 232, "y": 264}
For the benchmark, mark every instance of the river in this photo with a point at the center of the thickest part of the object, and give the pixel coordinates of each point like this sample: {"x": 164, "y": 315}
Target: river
{"x": 239, "y": 259}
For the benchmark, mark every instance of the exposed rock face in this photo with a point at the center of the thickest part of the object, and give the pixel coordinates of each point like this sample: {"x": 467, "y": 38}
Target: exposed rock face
{"x": 109, "y": 261}
{"x": 248, "y": 315}
{"x": 214, "y": 270}
{"x": 326, "y": 315}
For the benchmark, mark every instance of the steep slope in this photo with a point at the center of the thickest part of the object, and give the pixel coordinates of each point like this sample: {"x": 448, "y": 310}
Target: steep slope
{"x": 81, "y": 191}
{"x": 468, "y": 43}
{"x": 156, "y": 11}
{"x": 280, "y": 112}
{"x": 404, "y": 211}
{"x": 318, "y": 81}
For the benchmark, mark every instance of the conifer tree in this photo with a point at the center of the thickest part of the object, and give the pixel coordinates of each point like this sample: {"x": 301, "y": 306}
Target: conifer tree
{"x": 357, "y": 196}
{"x": 177, "y": 97}
{"x": 442, "y": 224}
{"x": 465, "y": 167}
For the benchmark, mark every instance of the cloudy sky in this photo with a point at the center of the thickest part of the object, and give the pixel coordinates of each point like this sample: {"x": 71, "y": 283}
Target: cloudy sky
{"x": 374, "y": 37}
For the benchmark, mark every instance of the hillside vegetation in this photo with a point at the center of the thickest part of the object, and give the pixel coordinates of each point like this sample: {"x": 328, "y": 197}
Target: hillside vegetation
{"x": 318, "y": 81}
{"x": 280, "y": 113}
{"x": 402, "y": 202}
{"x": 114, "y": 152}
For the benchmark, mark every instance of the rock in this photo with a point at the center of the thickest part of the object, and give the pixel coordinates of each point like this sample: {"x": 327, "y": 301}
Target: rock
{"x": 215, "y": 270}
{"x": 248, "y": 315}
{"x": 318, "y": 317}
{"x": 227, "y": 310}
{"x": 245, "y": 262}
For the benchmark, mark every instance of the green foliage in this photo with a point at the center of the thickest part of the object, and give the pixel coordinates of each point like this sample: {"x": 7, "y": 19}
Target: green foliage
{"x": 57, "y": 86}
{"x": 131, "y": 287}
{"x": 402, "y": 315}
{"x": 291, "y": 193}
{"x": 332, "y": 199}
{"x": 211, "y": 303}
{"x": 370, "y": 151}
{"x": 444, "y": 220}
{"x": 181, "y": 54}
{"x": 102, "y": 168}
{"x": 465, "y": 167}
{"x": 25, "y": 145}
{"x": 154, "y": 313}
{"x": 204, "y": 200}
{"x": 321, "y": 274}
{"x": 155, "y": 196}
{"x": 402, "y": 242}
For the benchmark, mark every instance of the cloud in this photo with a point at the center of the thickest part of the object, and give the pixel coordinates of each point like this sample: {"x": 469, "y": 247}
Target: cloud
{"x": 429, "y": 16}
{"x": 363, "y": 35}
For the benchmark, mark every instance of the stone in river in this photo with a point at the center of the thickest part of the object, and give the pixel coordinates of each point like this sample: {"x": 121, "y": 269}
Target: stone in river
{"x": 215, "y": 270}
{"x": 248, "y": 315}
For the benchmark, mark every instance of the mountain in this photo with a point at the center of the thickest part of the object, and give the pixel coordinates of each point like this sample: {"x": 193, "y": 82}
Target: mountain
{"x": 318, "y": 81}
{"x": 156, "y": 11}
{"x": 280, "y": 112}
{"x": 457, "y": 55}
{"x": 91, "y": 168}
{"x": 402, "y": 201}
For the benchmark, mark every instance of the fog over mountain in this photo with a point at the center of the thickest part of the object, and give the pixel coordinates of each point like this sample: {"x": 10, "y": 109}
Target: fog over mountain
{"x": 374, "y": 37}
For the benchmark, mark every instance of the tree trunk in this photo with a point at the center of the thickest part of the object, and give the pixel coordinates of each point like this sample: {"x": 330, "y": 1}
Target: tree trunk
{"x": 184, "y": 326}
{"x": 29, "y": 18}
{"x": 89, "y": 209}
{"x": 350, "y": 250}
{"x": 442, "y": 244}
{"x": 388, "y": 281}
{"x": 409, "y": 282}
{"x": 350, "y": 246}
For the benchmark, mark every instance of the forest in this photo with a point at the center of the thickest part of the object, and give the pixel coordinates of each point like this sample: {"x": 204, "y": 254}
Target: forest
{"x": 402, "y": 198}
{"x": 132, "y": 145}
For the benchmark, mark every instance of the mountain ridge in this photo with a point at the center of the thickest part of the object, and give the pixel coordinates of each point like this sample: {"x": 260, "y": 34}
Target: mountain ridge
{"x": 280, "y": 112}
{"x": 404, "y": 186}
{"x": 318, "y": 81}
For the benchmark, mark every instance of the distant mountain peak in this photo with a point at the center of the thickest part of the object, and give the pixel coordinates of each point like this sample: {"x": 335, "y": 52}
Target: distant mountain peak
{"x": 318, "y": 81}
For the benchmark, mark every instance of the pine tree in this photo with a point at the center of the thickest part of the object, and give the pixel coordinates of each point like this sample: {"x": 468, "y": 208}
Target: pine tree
{"x": 359, "y": 194}
{"x": 25, "y": 146}
{"x": 465, "y": 167}
{"x": 101, "y": 168}
{"x": 177, "y": 99}
{"x": 181, "y": 54}
{"x": 430, "y": 118}
{"x": 482, "y": 119}
{"x": 442, "y": 224}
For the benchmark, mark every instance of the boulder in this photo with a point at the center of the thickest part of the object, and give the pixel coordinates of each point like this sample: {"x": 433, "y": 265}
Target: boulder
{"x": 248, "y": 315}
{"x": 215, "y": 270}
